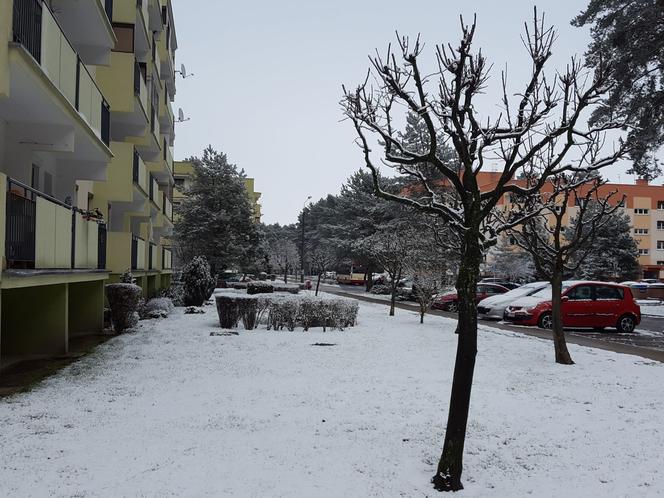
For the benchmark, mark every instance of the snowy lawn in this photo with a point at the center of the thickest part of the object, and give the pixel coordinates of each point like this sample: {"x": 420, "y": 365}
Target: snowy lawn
{"x": 171, "y": 411}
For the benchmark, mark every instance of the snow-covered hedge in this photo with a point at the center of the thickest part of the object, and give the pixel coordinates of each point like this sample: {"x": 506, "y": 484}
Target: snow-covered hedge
{"x": 380, "y": 289}
{"x": 276, "y": 286}
{"x": 284, "y": 311}
{"x": 159, "y": 307}
{"x": 260, "y": 288}
{"x": 123, "y": 299}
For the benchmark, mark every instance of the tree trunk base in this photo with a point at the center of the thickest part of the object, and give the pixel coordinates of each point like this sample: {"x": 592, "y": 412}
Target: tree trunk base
{"x": 564, "y": 359}
{"x": 446, "y": 483}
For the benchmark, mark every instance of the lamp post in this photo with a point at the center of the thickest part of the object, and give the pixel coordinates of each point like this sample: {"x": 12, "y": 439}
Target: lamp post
{"x": 302, "y": 248}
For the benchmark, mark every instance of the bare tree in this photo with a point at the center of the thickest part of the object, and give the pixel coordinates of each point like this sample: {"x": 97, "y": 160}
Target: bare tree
{"x": 322, "y": 258}
{"x": 546, "y": 120}
{"x": 392, "y": 248}
{"x": 283, "y": 253}
{"x": 558, "y": 247}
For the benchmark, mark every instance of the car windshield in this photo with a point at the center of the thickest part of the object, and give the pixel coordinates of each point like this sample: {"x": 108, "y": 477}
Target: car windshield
{"x": 524, "y": 290}
{"x": 546, "y": 292}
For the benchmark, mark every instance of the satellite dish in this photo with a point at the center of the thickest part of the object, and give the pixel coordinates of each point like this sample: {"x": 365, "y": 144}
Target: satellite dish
{"x": 183, "y": 72}
{"x": 181, "y": 118}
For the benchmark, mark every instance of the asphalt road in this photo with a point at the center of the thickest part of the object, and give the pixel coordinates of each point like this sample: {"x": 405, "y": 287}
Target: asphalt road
{"x": 646, "y": 341}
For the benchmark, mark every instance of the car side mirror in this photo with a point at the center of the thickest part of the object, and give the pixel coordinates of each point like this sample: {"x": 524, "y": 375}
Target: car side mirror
{"x": 564, "y": 299}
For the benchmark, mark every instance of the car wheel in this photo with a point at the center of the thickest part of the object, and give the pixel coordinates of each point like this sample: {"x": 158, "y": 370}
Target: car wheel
{"x": 453, "y": 307}
{"x": 626, "y": 324}
{"x": 545, "y": 321}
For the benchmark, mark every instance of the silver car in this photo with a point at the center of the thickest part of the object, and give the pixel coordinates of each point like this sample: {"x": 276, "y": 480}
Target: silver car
{"x": 493, "y": 307}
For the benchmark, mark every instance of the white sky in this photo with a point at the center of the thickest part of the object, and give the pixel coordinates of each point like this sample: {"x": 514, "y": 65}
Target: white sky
{"x": 268, "y": 78}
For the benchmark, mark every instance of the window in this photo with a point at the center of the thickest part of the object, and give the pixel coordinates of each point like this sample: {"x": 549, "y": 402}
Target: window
{"x": 644, "y": 252}
{"x": 640, "y": 231}
{"x": 660, "y": 205}
{"x": 580, "y": 293}
{"x": 125, "y": 36}
{"x": 660, "y": 225}
{"x": 492, "y": 291}
{"x": 660, "y": 245}
{"x": 34, "y": 182}
{"x": 604, "y": 292}
{"x": 179, "y": 183}
{"x": 641, "y": 211}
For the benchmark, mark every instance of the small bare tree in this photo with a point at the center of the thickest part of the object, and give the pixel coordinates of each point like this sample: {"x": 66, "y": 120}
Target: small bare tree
{"x": 283, "y": 253}
{"x": 322, "y": 258}
{"x": 392, "y": 247}
{"x": 546, "y": 116}
{"x": 559, "y": 247}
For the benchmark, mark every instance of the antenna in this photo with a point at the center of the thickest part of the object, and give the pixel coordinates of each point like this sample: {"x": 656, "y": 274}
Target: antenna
{"x": 183, "y": 72}
{"x": 181, "y": 118}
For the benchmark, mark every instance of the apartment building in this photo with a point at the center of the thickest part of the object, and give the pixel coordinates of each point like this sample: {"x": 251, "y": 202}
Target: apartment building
{"x": 643, "y": 203}
{"x": 86, "y": 130}
{"x": 136, "y": 198}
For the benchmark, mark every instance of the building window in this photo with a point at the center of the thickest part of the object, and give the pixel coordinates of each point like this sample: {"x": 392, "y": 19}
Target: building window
{"x": 48, "y": 183}
{"x": 125, "y": 36}
{"x": 641, "y": 211}
{"x": 179, "y": 183}
{"x": 640, "y": 231}
{"x": 660, "y": 225}
{"x": 644, "y": 252}
{"x": 660, "y": 205}
{"x": 660, "y": 245}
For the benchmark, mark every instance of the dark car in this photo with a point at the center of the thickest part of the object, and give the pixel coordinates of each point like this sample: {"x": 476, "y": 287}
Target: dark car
{"x": 450, "y": 301}
{"x": 596, "y": 305}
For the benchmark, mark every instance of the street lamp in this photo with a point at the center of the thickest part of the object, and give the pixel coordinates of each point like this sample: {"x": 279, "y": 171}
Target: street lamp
{"x": 302, "y": 248}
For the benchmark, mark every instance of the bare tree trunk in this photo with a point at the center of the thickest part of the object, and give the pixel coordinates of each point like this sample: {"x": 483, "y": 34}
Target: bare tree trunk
{"x": 286, "y": 276}
{"x": 368, "y": 275}
{"x": 422, "y": 312}
{"x": 559, "y": 343}
{"x": 393, "y": 298}
{"x": 450, "y": 466}
{"x": 318, "y": 283}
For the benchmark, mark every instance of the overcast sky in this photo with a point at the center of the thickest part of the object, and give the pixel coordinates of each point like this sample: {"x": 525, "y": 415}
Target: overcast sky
{"x": 268, "y": 78}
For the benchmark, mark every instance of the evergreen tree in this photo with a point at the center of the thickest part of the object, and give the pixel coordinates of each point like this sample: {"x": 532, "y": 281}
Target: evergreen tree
{"x": 628, "y": 37}
{"x": 215, "y": 219}
{"x": 613, "y": 254}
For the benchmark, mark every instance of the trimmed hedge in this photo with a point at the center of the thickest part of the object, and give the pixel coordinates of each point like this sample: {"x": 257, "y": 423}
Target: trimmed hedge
{"x": 123, "y": 299}
{"x": 259, "y": 288}
{"x": 283, "y": 311}
{"x": 276, "y": 286}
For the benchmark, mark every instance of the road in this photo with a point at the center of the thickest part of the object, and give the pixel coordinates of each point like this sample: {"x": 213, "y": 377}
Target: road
{"x": 647, "y": 341}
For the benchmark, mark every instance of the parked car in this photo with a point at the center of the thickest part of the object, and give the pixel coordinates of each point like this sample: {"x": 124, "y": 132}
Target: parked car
{"x": 595, "y": 305}
{"x": 450, "y": 300}
{"x": 499, "y": 281}
{"x": 493, "y": 307}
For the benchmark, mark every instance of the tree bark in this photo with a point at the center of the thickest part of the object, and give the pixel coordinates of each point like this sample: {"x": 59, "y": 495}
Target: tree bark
{"x": 450, "y": 466}
{"x": 393, "y": 298}
{"x": 559, "y": 343}
{"x": 368, "y": 276}
{"x": 318, "y": 283}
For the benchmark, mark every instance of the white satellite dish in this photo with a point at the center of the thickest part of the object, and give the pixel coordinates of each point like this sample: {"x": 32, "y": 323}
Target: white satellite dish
{"x": 183, "y": 72}
{"x": 181, "y": 118}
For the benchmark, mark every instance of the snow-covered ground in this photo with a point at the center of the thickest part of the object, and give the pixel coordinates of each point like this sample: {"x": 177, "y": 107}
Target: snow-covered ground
{"x": 651, "y": 308}
{"x": 169, "y": 410}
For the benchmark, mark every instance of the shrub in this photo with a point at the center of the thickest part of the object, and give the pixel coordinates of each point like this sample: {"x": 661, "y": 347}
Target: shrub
{"x": 123, "y": 300}
{"x": 175, "y": 293}
{"x": 285, "y": 311}
{"x": 259, "y": 288}
{"x": 198, "y": 282}
{"x": 159, "y": 307}
{"x": 290, "y": 288}
{"x": 193, "y": 310}
{"x": 127, "y": 278}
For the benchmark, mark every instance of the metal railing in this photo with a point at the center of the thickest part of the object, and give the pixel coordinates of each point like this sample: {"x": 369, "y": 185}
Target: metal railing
{"x": 22, "y": 223}
{"x": 27, "y": 26}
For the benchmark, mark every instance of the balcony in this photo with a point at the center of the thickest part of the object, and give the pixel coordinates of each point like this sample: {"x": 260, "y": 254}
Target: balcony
{"x": 154, "y": 192}
{"x": 55, "y": 104}
{"x": 167, "y": 119}
{"x": 166, "y": 259}
{"x": 88, "y": 27}
{"x": 139, "y": 173}
{"x": 43, "y": 233}
{"x": 168, "y": 208}
{"x": 137, "y": 253}
{"x": 152, "y": 257}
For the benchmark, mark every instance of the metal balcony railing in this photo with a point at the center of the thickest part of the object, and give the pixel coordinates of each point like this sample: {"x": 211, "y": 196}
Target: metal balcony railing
{"x": 109, "y": 9}
{"x": 36, "y": 232}
{"x": 35, "y": 25}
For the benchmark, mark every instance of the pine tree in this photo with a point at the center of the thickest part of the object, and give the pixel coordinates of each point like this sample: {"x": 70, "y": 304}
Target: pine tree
{"x": 613, "y": 254}
{"x": 628, "y": 37}
{"x": 216, "y": 218}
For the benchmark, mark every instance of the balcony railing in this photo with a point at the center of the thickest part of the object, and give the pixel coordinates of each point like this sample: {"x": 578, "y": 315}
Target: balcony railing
{"x": 139, "y": 172}
{"x": 168, "y": 208}
{"x": 108, "y": 6}
{"x": 36, "y": 28}
{"x": 166, "y": 259}
{"x": 137, "y": 253}
{"x": 44, "y": 233}
{"x": 152, "y": 256}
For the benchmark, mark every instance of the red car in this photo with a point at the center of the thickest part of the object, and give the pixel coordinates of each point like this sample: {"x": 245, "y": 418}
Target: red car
{"x": 584, "y": 304}
{"x": 450, "y": 301}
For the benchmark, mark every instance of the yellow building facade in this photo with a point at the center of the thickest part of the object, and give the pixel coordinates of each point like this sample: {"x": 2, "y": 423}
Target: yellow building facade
{"x": 86, "y": 135}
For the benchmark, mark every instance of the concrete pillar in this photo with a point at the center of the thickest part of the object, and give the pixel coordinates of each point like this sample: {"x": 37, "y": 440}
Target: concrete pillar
{"x": 86, "y": 308}
{"x": 35, "y": 321}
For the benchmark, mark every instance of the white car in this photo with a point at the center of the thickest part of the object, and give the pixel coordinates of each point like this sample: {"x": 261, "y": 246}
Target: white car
{"x": 493, "y": 307}
{"x": 523, "y": 304}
